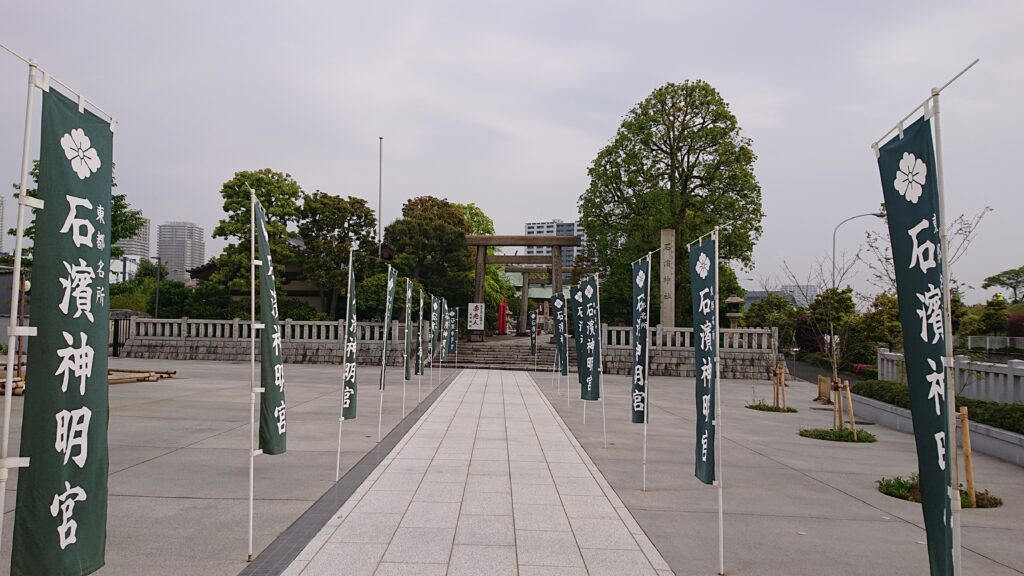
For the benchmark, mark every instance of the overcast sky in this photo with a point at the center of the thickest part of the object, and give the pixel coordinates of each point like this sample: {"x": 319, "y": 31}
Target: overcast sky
{"x": 506, "y": 103}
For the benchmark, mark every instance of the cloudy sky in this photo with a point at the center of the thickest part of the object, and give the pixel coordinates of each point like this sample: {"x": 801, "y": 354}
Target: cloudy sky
{"x": 505, "y": 103}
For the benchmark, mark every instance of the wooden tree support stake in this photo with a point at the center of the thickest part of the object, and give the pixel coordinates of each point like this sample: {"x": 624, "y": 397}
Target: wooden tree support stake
{"x": 965, "y": 431}
{"x": 849, "y": 407}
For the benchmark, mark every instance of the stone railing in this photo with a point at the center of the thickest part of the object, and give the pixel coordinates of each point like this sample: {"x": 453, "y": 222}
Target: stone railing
{"x": 682, "y": 338}
{"x": 318, "y": 331}
{"x": 973, "y": 379}
{"x": 293, "y": 330}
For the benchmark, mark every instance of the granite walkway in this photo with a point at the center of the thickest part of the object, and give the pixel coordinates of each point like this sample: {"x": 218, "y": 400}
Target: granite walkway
{"x": 489, "y": 481}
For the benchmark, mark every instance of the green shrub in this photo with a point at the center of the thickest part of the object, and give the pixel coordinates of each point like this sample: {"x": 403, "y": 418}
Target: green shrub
{"x": 765, "y": 407}
{"x": 1008, "y": 417}
{"x": 837, "y": 435}
{"x": 904, "y": 489}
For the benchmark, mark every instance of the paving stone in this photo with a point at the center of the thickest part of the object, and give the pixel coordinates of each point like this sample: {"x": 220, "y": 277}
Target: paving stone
{"x": 540, "y": 517}
{"x": 485, "y": 531}
{"x": 482, "y": 560}
{"x": 547, "y": 548}
{"x": 431, "y": 515}
{"x": 617, "y": 563}
{"x": 373, "y": 527}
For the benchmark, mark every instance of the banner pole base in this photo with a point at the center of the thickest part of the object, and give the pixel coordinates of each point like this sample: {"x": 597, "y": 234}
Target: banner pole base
{"x": 604, "y": 422}
{"x": 380, "y": 414}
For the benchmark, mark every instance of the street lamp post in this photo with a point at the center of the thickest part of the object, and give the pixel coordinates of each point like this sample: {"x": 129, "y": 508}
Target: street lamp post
{"x": 380, "y": 197}
{"x": 156, "y": 307}
{"x": 879, "y": 214}
{"x": 831, "y": 323}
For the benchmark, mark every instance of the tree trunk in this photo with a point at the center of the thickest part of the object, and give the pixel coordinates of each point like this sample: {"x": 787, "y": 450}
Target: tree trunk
{"x": 334, "y": 305}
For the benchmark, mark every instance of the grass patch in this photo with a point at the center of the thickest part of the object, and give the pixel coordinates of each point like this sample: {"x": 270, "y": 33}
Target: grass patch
{"x": 1006, "y": 416}
{"x": 843, "y": 435}
{"x": 764, "y": 407}
{"x": 910, "y": 489}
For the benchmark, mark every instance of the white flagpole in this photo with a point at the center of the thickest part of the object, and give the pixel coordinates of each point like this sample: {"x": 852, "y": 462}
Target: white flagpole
{"x": 600, "y": 359}
{"x": 252, "y": 358}
{"x": 13, "y": 330}
{"x": 647, "y": 365}
{"x": 405, "y": 348}
{"x": 951, "y": 449}
{"x": 384, "y": 355}
{"x": 341, "y": 410}
{"x": 419, "y": 351}
{"x": 718, "y": 416}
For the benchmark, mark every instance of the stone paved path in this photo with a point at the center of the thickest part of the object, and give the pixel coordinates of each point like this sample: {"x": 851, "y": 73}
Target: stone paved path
{"x": 490, "y": 481}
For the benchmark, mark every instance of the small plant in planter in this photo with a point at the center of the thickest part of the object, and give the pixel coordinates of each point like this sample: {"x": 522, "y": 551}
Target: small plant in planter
{"x": 838, "y": 434}
{"x": 764, "y": 407}
{"x": 910, "y": 490}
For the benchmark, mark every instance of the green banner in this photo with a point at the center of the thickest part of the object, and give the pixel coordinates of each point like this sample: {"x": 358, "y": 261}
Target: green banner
{"x": 408, "y": 330}
{"x": 453, "y": 329}
{"x": 907, "y": 167}
{"x": 351, "y": 345}
{"x": 273, "y": 424}
{"x": 419, "y": 337}
{"x": 533, "y": 332}
{"x": 576, "y": 307}
{"x": 641, "y": 322}
{"x": 61, "y": 522}
{"x": 389, "y": 310}
{"x": 591, "y": 336}
{"x": 558, "y": 308}
{"x": 704, "y": 282}
{"x": 442, "y": 342}
{"x": 435, "y": 313}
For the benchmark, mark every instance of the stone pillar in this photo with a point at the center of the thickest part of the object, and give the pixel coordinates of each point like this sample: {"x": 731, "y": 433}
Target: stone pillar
{"x": 481, "y": 270}
{"x": 478, "y": 291}
{"x": 556, "y": 269}
{"x": 668, "y": 278}
{"x": 524, "y": 306}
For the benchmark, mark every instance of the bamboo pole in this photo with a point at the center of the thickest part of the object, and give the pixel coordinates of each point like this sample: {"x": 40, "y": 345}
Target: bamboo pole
{"x": 965, "y": 431}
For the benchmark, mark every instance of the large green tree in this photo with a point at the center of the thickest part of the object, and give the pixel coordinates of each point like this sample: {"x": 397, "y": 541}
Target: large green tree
{"x": 279, "y": 194}
{"x": 679, "y": 161}
{"x": 1012, "y": 280}
{"x": 329, "y": 226}
{"x": 430, "y": 245}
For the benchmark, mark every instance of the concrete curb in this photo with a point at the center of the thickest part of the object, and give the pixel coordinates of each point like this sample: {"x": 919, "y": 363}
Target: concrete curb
{"x": 985, "y": 439}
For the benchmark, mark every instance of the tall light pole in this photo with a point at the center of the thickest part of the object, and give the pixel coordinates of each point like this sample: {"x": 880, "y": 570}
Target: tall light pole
{"x": 380, "y": 196}
{"x": 831, "y": 324}
{"x": 879, "y": 214}
{"x": 156, "y": 307}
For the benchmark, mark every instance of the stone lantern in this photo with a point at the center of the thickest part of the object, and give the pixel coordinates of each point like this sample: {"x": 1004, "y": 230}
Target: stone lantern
{"x": 733, "y": 310}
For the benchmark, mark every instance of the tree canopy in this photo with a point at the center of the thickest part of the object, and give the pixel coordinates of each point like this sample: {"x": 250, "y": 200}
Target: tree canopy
{"x": 430, "y": 243}
{"x": 329, "y": 226}
{"x": 279, "y": 194}
{"x": 679, "y": 161}
{"x": 1012, "y": 280}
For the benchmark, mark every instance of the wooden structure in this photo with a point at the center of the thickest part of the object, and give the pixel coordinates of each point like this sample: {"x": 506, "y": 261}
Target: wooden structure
{"x": 482, "y": 243}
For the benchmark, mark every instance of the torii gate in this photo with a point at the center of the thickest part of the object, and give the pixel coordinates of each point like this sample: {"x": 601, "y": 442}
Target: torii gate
{"x": 483, "y": 259}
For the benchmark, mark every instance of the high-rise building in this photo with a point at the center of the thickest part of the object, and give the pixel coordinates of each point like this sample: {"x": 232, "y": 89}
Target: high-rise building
{"x": 3, "y": 231}
{"x": 138, "y": 245}
{"x": 556, "y": 228}
{"x": 180, "y": 246}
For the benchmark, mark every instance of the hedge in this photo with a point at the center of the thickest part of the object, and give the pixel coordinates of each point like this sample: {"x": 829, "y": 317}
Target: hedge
{"x": 1006, "y": 416}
